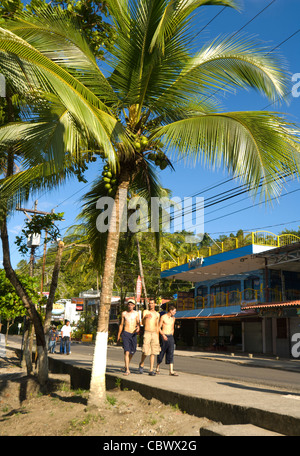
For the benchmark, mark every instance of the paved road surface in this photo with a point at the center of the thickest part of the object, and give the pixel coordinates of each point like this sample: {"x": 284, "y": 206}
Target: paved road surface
{"x": 226, "y": 370}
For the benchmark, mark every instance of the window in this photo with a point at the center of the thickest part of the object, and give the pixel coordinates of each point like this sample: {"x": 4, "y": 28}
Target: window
{"x": 202, "y": 291}
{"x": 251, "y": 287}
{"x": 201, "y": 298}
{"x": 226, "y": 292}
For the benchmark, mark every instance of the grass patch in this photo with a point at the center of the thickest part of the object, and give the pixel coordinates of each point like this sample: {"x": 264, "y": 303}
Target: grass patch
{"x": 111, "y": 399}
{"x": 79, "y": 424}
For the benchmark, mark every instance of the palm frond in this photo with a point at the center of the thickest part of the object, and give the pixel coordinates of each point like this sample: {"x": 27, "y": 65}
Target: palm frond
{"x": 255, "y": 145}
{"x": 176, "y": 16}
{"x": 56, "y": 34}
{"x": 78, "y": 99}
{"x": 225, "y": 64}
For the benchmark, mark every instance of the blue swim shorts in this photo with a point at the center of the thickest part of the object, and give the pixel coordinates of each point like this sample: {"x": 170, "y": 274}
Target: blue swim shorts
{"x": 129, "y": 342}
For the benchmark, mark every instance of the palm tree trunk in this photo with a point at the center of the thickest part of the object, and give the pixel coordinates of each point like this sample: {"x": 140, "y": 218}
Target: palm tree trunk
{"x": 30, "y": 335}
{"x": 142, "y": 272}
{"x": 53, "y": 287}
{"x": 43, "y": 354}
{"x": 26, "y": 360}
{"x": 97, "y": 393}
{"x": 8, "y": 325}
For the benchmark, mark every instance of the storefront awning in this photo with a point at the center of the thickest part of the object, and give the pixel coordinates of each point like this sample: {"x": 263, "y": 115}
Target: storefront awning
{"x": 216, "y": 312}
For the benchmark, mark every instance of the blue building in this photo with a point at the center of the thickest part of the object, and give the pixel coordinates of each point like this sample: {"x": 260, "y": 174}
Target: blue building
{"x": 247, "y": 298}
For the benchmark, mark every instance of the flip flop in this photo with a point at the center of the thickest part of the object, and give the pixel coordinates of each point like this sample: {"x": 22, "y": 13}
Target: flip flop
{"x": 126, "y": 373}
{"x": 173, "y": 374}
{"x": 157, "y": 372}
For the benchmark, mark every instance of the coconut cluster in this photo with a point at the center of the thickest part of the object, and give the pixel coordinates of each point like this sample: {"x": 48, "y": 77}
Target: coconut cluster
{"x": 110, "y": 180}
{"x": 140, "y": 144}
{"x": 158, "y": 157}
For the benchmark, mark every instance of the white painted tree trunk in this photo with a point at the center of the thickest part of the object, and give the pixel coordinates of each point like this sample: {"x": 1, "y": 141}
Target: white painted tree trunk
{"x": 97, "y": 387}
{"x": 97, "y": 393}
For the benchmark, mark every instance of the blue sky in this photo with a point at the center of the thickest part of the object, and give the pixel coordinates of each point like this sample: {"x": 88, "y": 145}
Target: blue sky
{"x": 275, "y": 25}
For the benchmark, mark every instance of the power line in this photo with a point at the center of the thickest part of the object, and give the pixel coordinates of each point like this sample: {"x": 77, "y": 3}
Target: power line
{"x": 259, "y": 227}
{"x": 250, "y": 207}
{"x": 231, "y": 204}
{"x": 251, "y": 20}
{"x": 71, "y": 196}
{"x": 284, "y": 41}
{"x": 217, "y": 199}
{"x": 203, "y": 28}
{"x": 278, "y": 45}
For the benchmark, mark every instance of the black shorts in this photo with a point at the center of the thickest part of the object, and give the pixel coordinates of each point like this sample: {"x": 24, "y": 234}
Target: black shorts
{"x": 167, "y": 348}
{"x": 129, "y": 342}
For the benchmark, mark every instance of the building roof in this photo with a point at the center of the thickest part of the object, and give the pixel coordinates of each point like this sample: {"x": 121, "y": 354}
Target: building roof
{"x": 213, "y": 312}
{"x": 286, "y": 256}
{"x": 232, "y": 262}
{"x": 268, "y": 305}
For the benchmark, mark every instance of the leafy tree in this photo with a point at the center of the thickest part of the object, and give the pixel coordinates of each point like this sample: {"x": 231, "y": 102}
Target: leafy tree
{"x": 11, "y": 305}
{"x": 37, "y": 225}
{"x": 159, "y": 98}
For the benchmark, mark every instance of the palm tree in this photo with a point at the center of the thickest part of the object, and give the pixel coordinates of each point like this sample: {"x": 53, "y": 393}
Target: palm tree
{"x": 160, "y": 98}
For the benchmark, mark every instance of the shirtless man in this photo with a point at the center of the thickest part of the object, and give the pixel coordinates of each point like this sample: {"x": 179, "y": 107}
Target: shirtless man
{"x": 129, "y": 327}
{"x": 166, "y": 329}
{"x": 151, "y": 345}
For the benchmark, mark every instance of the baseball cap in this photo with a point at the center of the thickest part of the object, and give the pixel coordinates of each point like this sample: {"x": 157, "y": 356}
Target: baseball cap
{"x": 131, "y": 301}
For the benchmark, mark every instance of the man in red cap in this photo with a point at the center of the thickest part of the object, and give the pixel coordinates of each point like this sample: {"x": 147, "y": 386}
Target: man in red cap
{"x": 129, "y": 328}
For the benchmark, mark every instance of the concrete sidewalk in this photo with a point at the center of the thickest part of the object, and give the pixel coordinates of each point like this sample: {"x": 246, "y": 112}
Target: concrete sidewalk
{"x": 243, "y": 408}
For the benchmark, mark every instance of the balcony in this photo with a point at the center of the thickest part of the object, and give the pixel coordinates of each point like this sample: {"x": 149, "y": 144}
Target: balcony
{"x": 262, "y": 238}
{"x": 240, "y": 298}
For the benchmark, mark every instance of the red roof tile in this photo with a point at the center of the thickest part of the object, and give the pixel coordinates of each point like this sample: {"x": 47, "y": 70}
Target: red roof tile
{"x": 273, "y": 304}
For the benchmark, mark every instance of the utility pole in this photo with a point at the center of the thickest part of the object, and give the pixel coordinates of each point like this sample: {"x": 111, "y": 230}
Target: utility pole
{"x": 34, "y": 241}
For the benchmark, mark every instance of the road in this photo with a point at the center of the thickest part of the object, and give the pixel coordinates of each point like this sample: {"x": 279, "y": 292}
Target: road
{"x": 226, "y": 370}
{"x": 260, "y": 376}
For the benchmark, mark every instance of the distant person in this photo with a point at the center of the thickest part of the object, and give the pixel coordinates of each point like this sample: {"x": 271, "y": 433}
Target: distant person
{"x": 66, "y": 331}
{"x": 129, "y": 328}
{"x": 53, "y": 337}
{"x": 166, "y": 329}
{"x": 151, "y": 344}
